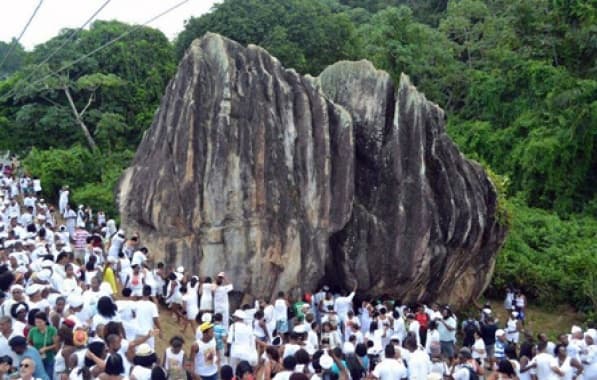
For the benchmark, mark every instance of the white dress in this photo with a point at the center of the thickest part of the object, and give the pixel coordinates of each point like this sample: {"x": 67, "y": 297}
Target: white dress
{"x": 192, "y": 302}
{"x": 512, "y": 330}
{"x": 207, "y": 299}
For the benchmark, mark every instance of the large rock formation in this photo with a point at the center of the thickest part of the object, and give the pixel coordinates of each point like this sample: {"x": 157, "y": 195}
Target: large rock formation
{"x": 287, "y": 181}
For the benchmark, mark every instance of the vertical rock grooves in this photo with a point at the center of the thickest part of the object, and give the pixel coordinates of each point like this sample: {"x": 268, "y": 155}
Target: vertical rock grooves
{"x": 287, "y": 181}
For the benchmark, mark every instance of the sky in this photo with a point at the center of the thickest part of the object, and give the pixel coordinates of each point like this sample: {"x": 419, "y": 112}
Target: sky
{"x": 54, "y": 15}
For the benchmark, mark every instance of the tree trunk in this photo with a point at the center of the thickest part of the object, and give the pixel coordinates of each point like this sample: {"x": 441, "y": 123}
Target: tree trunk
{"x": 79, "y": 119}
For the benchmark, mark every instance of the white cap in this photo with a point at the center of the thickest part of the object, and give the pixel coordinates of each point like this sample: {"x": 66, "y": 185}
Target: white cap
{"x": 75, "y": 301}
{"x": 348, "y": 348}
{"x": 33, "y": 288}
{"x": 239, "y": 314}
{"x": 206, "y": 317}
{"x": 576, "y": 329}
{"x": 500, "y": 332}
{"x": 326, "y": 361}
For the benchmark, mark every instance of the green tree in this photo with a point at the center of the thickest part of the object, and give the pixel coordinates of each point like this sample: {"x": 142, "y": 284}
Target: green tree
{"x": 304, "y": 34}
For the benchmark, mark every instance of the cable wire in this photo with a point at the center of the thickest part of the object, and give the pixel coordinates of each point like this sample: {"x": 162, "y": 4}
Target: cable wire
{"x": 112, "y": 41}
{"x": 66, "y": 40}
{"x": 22, "y": 33}
{"x": 72, "y": 34}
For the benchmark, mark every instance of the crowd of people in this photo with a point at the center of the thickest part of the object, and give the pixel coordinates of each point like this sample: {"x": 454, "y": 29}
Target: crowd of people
{"x": 81, "y": 299}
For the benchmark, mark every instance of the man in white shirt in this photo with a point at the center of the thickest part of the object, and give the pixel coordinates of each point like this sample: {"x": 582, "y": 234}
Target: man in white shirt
{"x": 419, "y": 364}
{"x": 146, "y": 315}
{"x": 241, "y": 339}
{"x": 203, "y": 353}
{"x": 343, "y": 305}
{"x": 221, "y": 297}
{"x": 541, "y": 362}
{"x": 390, "y": 368}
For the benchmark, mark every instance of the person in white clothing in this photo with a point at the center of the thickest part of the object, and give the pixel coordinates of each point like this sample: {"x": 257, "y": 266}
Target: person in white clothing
{"x": 63, "y": 199}
{"x": 564, "y": 366}
{"x": 204, "y": 355}
{"x": 390, "y": 368}
{"x": 146, "y": 315}
{"x": 242, "y": 340}
{"x": 206, "y": 304}
{"x": 541, "y": 363}
{"x": 419, "y": 364}
{"x": 589, "y": 355}
{"x": 342, "y": 305}
{"x": 220, "y": 295}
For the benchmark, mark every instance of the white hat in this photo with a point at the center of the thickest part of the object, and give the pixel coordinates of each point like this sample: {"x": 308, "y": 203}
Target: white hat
{"x": 592, "y": 333}
{"x": 206, "y": 317}
{"x": 515, "y": 314}
{"x": 75, "y": 301}
{"x": 180, "y": 269}
{"x": 348, "y": 348}
{"x": 44, "y": 275}
{"x": 487, "y": 311}
{"x": 33, "y": 288}
{"x": 500, "y": 332}
{"x": 575, "y": 329}
{"x": 326, "y": 361}
{"x": 299, "y": 329}
{"x": 143, "y": 349}
{"x": 239, "y": 314}
{"x": 221, "y": 274}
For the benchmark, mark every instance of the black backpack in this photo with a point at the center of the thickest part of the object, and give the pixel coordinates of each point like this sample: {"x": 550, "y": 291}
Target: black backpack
{"x": 472, "y": 374}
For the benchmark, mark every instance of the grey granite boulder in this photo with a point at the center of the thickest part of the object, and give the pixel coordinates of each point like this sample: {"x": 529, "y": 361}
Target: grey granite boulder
{"x": 287, "y": 182}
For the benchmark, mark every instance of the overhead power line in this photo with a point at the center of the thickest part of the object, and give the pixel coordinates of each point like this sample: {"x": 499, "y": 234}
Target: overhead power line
{"x": 63, "y": 44}
{"x": 109, "y": 43}
{"x": 70, "y": 36}
{"x": 14, "y": 43}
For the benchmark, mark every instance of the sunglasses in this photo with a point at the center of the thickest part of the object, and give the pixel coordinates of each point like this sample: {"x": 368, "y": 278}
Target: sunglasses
{"x": 25, "y": 365}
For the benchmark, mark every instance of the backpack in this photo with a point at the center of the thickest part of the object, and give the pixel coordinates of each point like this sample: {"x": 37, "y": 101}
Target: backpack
{"x": 472, "y": 374}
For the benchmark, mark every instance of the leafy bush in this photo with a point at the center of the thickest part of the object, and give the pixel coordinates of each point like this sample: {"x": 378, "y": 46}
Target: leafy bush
{"x": 553, "y": 260}
{"x": 57, "y": 167}
{"x": 92, "y": 177}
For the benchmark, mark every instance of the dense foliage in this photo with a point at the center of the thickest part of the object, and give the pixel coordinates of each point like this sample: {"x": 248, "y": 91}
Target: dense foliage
{"x": 518, "y": 79}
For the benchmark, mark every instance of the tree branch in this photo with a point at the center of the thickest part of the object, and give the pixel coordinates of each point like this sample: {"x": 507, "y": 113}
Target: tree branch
{"x": 91, "y": 99}
{"x": 84, "y": 128}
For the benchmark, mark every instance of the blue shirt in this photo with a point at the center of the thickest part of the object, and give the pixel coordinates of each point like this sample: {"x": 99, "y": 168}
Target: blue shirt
{"x": 499, "y": 349}
{"x": 219, "y": 332}
{"x": 40, "y": 371}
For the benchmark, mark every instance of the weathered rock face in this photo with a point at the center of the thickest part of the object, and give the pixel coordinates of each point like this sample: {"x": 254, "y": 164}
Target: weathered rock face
{"x": 287, "y": 181}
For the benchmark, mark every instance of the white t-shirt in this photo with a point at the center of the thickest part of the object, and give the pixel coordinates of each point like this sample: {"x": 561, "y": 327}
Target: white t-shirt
{"x": 241, "y": 339}
{"x": 343, "y": 305}
{"x": 477, "y": 346}
{"x": 145, "y": 312}
{"x": 203, "y": 367}
{"x": 390, "y": 369}
{"x": 221, "y": 297}
{"x": 462, "y": 373}
{"x": 543, "y": 362}
{"x": 419, "y": 365}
